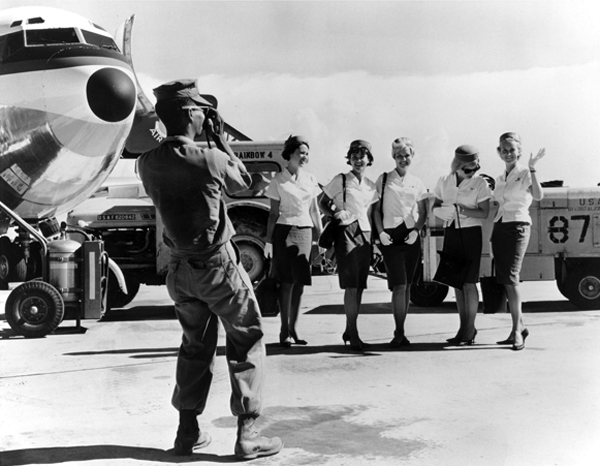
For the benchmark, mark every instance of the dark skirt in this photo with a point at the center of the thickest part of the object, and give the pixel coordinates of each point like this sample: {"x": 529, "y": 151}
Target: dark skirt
{"x": 291, "y": 254}
{"x": 509, "y": 243}
{"x": 472, "y": 240}
{"x": 353, "y": 255}
{"x": 400, "y": 259}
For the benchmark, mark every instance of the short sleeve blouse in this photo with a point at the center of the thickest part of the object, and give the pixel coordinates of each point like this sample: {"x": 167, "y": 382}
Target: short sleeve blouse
{"x": 295, "y": 195}
{"x": 470, "y": 192}
{"x": 400, "y": 198}
{"x": 359, "y": 197}
{"x": 513, "y": 195}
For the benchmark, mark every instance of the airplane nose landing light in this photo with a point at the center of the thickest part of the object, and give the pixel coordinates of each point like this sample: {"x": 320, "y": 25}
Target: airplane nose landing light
{"x": 111, "y": 94}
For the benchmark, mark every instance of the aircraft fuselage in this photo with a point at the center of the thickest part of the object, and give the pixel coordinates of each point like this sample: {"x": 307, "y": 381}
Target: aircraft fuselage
{"x": 67, "y": 101}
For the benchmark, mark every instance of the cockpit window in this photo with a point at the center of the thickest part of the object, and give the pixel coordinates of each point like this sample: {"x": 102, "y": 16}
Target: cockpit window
{"x": 51, "y": 36}
{"x": 99, "y": 40}
{"x": 10, "y": 44}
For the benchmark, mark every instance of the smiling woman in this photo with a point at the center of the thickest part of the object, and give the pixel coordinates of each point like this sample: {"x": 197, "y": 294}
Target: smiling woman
{"x": 462, "y": 200}
{"x": 399, "y": 216}
{"x": 292, "y": 217}
{"x": 348, "y": 199}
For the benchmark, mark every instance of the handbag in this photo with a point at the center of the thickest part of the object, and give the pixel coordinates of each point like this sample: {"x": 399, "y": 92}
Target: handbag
{"x": 452, "y": 270}
{"x": 327, "y": 236}
{"x": 267, "y": 293}
{"x": 493, "y": 293}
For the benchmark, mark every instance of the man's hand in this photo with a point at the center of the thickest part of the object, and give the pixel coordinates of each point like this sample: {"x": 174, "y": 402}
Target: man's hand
{"x": 213, "y": 124}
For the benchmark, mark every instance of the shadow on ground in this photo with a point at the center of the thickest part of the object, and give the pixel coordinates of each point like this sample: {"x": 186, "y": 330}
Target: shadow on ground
{"x": 59, "y": 455}
{"x": 444, "y": 308}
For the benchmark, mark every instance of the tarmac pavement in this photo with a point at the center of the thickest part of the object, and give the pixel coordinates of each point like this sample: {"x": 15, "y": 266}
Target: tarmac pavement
{"x": 101, "y": 396}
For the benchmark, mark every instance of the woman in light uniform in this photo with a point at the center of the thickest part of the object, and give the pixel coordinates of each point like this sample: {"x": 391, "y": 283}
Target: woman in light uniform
{"x": 515, "y": 190}
{"x": 399, "y": 216}
{"x": 351, "y": 195}
{"x": 467, "y": 195}
{"x": 293, "y": 216}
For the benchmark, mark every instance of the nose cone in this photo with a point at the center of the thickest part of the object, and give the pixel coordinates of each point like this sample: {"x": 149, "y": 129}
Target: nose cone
{"x": 111, "y": 94}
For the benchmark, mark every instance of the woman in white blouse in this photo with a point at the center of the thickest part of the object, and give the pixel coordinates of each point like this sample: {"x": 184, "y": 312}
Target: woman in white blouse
{"x": 399, "y": 215}
{"x": 294, "y": 213}
{"x": 462, "y": 199}
{"x": 515, "y": 189}
{"x": 348, "y": 197}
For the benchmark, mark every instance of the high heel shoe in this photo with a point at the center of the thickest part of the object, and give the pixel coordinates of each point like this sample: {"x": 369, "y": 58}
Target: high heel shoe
{"x": 455, "y": 339}
{"x": 297, "y": 340}
{"x": 511, "y": 340}
{"x": 357, "y": 345}
{"x": 284, "y": 340}
{"x": 470, "y": 342}
{"x": 524, "y": 335}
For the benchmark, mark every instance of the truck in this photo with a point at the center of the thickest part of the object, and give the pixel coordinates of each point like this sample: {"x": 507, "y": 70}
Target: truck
{"x": 123, "y": 217}
{"x": 564, "y": 246}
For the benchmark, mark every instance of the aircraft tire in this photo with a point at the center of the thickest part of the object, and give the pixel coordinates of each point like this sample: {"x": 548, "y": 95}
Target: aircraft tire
{"x": 34, "y": 309}
{"x": 5, "y": 261}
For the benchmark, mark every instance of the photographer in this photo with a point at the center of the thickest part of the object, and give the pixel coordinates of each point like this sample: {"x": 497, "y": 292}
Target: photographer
{"x": 205, "y": 279}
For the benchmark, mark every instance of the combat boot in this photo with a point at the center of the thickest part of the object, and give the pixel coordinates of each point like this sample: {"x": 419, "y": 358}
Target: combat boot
{"x": 250, "y": 444}
{"x": 189, "y": 437}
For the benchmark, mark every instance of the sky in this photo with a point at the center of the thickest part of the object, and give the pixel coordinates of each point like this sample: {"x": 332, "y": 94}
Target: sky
{"x": 443, "y": 73}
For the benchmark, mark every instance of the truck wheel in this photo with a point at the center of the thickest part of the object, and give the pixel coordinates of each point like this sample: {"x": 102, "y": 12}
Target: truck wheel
{"x": 34, "y": 309}
{"x": 116, "y": 298}
{"x": 428, "y": 294}
{"x": 251, "y": 255}
{"x": 582, "y": 287}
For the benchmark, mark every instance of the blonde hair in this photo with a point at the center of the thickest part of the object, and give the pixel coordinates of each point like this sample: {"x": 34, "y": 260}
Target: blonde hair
{"x": 403, "y": 143}
{"x": 510, "y": 137}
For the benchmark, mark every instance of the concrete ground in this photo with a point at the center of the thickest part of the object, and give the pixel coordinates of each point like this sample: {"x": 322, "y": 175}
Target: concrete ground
{"x": 102, "y": 396}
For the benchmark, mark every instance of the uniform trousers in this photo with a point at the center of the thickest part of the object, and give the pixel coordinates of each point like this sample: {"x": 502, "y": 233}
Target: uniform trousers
{"x": 206, "y": 289}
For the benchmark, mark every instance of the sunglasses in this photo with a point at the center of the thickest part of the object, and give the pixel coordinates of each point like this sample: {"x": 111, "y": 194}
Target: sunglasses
{"x": 468, "y": 171}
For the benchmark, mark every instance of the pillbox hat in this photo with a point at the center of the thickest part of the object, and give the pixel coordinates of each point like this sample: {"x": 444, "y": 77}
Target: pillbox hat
{"x": 358, "y": 144}
{"x": 466, "y": 153}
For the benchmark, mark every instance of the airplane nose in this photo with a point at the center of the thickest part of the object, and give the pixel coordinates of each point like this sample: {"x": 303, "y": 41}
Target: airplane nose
{"x": 111, "y": 94}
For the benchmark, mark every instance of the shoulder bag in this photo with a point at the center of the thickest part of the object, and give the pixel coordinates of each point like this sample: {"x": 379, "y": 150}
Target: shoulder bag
{"x": 452, "y": 270}
{"x": 327, "y": 237}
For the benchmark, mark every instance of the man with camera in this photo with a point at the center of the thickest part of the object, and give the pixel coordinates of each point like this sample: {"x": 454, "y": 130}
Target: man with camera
{"x": 205, "y": 279}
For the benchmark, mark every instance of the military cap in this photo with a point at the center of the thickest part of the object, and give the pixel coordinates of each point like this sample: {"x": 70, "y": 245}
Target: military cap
{"x": 181, "y": 89}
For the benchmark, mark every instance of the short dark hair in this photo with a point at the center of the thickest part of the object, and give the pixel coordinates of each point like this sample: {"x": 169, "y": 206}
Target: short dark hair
{"x": 360, "y": 146}
{"x": 291, "y": 144}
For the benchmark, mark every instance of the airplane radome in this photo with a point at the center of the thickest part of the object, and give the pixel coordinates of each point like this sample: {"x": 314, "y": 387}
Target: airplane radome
{"x": 67, "y": 103}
